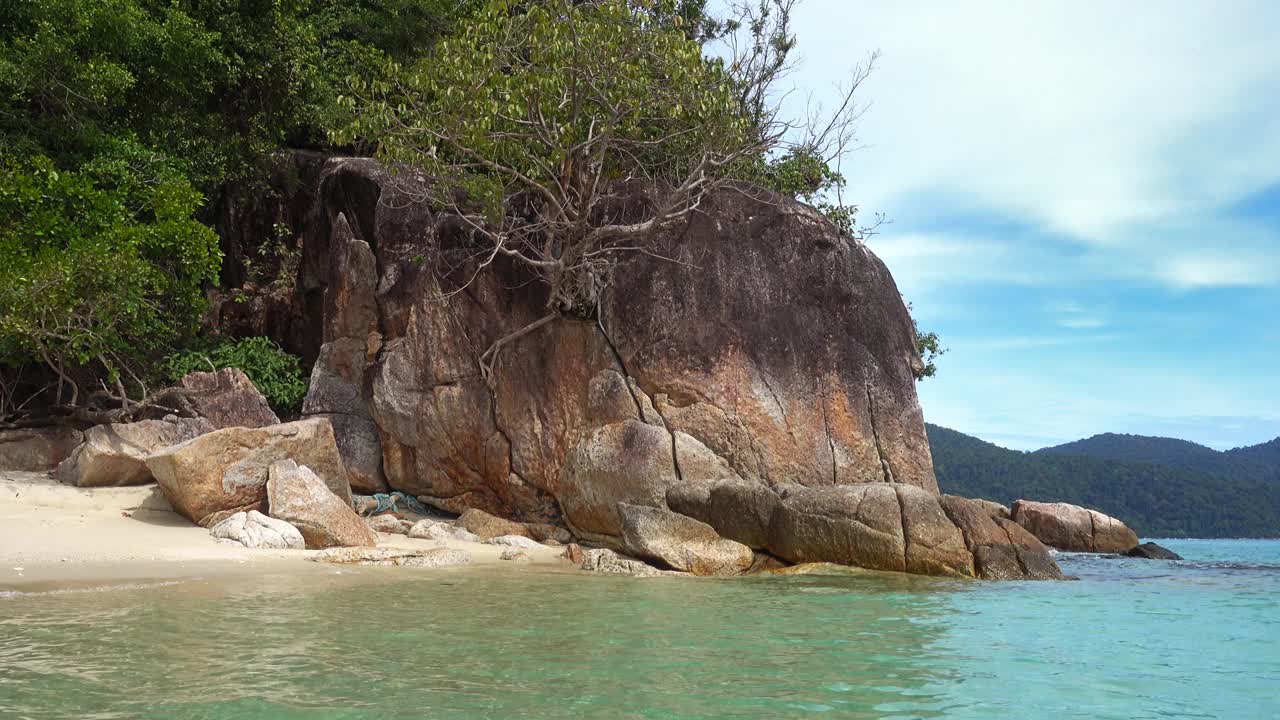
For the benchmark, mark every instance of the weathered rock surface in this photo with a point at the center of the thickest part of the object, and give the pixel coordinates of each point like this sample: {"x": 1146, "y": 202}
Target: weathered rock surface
{"x": 519, "y": 541}
{"x": 721, "y": 366}
{"x": 114, "y": 455}
{"x": 1152, "y": 551}
{"x": 388, "y": 524}
{"x": 37, "y": 449}
{"x": 608, "y": 562}
{"x": 298, "y": 496}
{"x": 762, "y": 383}
{"x": 433, "y": 557}
{"x": 992, "y": 508}
{"x": 227, "y": 469}
{"x": 1073, "y": 528}
{"x": 518, "y": 555}
{"x": 487, "y": 526}
{"x": 351, "y": 341}
{"x": 881, "y": 526}
{"x": 227, "y": 398}
{"x": 257, "y": 531}
{"x": 1002, "y": 549}
{"x": 680, "y": 542}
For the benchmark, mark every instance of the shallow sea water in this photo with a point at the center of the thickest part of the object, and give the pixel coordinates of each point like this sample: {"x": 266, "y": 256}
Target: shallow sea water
{"x": 1130, "y": 639}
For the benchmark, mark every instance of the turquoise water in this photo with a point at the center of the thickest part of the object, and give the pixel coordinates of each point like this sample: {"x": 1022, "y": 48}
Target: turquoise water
{"x": 1130, "y": 639}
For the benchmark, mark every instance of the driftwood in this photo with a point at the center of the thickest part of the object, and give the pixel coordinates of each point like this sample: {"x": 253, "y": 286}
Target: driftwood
{"x": 169, "y": 401}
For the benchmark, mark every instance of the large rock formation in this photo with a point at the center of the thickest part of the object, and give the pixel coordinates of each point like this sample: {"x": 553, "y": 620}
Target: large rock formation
{"x": 113, "y": 455}
{"x": 755, "y": 347}
{"x": 1073, "y": 528}
{"x": 227, "y": 398}
{"x": 299, "y": 497}
{"x": 680, "y": 542}
{"x": 209, "y": 477}
{"x": 37, "y": 449}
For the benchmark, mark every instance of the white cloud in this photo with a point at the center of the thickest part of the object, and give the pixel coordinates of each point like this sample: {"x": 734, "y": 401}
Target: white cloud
{"x": 1192, "y": 272}
{"x": 1084, "y": 118}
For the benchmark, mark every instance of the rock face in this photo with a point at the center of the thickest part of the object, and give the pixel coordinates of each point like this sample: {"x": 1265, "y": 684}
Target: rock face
{"x": 37, "y": 449}
{"x": 227, "y": 469}
{"x": 681, "y": 542}
{"x": 753, "y": 372}
{"x": 351, "y": 341}
{"x": 298, "y": 496}
{"x": 1002, "y": 549}
{"x": 227, "y": 398}
{"x": 113, "y": 455}
{"x": 1073, "y": 528}
{"x": 257, "y": 531}
{"x": 1152, "y": 551}
{"x": 774, "y": 350}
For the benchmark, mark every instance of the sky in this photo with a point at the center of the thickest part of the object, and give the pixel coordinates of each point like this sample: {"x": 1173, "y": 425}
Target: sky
{"x": 1083, "y": 201}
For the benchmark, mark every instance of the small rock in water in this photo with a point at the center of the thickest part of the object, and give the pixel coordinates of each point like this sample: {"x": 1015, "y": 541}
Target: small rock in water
{"x": 1152, "y": 551}
{"x": 519, "y": 541}
{"x": 515, "y": 554}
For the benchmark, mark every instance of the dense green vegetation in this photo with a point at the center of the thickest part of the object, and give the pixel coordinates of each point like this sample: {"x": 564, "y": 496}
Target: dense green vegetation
{"x": 127, "y": 125}
{"x": 276, "y": 373}
{"x": 1155, "y": 500}
{"x": 1182, "y": 454}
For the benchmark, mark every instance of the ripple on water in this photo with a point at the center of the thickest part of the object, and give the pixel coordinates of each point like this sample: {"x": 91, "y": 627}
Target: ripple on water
{"x": 1130, "y": 639}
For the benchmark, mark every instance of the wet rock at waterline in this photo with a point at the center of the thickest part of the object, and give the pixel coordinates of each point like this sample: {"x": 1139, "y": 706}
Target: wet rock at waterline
{"x": 1152, "y": 551}
{"x": 390, "y": 557}
{"x": 1074, "y": 528}
{"x": 680, "y": 542}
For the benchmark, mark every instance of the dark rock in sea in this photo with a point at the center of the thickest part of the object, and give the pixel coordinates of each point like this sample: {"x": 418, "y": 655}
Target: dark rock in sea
{"x": 1152, "y": 551}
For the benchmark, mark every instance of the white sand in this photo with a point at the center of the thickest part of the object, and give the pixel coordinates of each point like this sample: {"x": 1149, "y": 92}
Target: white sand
{"x": 55, "y": 534}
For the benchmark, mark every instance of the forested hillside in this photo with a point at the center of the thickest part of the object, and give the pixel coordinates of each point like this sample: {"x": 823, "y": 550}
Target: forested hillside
{"x": 1242, "y": 463}
{"x": 1156, "y": 500}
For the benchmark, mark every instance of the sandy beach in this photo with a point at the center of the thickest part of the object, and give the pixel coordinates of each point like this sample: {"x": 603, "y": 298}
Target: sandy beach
{"x": 54, "y": 535}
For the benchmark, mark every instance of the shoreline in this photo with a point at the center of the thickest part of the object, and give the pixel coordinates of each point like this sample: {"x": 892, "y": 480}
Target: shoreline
{"x": 57, "y": 537}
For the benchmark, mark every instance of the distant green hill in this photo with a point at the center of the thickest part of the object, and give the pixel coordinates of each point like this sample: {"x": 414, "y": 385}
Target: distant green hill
{"x": 1243, "y": 463}
{"x": 1155, "y": 500}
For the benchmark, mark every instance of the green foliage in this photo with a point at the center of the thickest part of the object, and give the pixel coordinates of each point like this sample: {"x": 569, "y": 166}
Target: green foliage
{"x": 276, "y": 373}
{"x": 1155, "y": 500}
{"x": 101, "y": 264}
{"x": 1250, "y": 463}
{"x": 221, "y": 84}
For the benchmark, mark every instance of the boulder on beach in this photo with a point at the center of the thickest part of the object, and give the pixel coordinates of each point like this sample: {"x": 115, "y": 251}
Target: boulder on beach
{"x": 1152, "y": 551}
{"x": 388, "y": 524}
{"x": 488, "y": 526}
{"x": 116, "y": 454}
{"x": 226, "y": 470}
{"x": 298, "y": 496}
{"x": 608, "y": 562}
{"x": 680, "y": 542}
{"x": 37, "y": 449}
{"x": 227, "y": 398}
{"x": 1074, "y": 528}
{"x": 257, "y": 531}
{"x": 393, "y": 557}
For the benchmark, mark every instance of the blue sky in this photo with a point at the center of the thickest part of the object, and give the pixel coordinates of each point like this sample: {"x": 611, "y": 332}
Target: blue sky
{"x": 1085, "y": 204}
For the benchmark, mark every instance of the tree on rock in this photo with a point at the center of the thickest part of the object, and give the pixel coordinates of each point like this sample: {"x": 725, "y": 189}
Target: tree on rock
{"x": 548, "y": 121}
